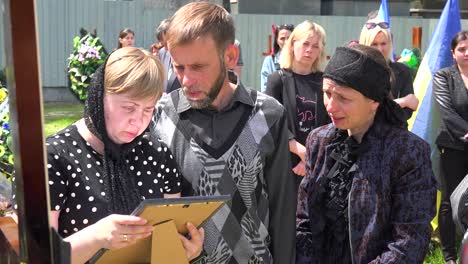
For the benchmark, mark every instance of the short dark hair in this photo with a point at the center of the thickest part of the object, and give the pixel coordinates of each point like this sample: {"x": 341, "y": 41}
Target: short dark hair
{"x": 198, "y": 19}
{"x": 161, "y": 30}
{"x": 460, "y": 36}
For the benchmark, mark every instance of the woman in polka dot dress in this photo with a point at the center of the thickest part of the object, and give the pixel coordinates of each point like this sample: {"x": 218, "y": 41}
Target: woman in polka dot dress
{"x": 101, "y": 167}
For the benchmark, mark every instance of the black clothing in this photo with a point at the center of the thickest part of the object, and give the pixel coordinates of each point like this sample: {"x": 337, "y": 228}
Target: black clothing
{"x": 403, "y": 84}
{"x": 281, "y": 85}
{"x": 454, "y": 167}
{"x": 76, "y": 182}
{"x": 340, "y": 178}
{"x": 306, "y": 100}
{"x": 451, "y": 96}
{"x": 216, "y": 129}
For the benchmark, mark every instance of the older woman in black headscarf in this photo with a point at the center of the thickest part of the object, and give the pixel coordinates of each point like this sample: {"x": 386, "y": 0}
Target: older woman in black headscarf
{"x": 369, "y": 191}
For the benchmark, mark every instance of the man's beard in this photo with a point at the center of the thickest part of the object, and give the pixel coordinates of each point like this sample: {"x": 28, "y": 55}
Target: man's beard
{"x": 212, "y": 93}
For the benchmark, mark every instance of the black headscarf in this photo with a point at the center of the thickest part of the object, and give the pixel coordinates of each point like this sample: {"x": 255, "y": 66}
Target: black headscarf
{"x": 353, "y": 68}
{"x": 123, "y": 193}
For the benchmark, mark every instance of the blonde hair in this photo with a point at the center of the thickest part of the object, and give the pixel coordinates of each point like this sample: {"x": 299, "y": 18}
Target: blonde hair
{"x": 306, "y": 28}
{"x": 368, "y": 35}
{"x": 201, "y": 19}
{"x": 135, "y": 71}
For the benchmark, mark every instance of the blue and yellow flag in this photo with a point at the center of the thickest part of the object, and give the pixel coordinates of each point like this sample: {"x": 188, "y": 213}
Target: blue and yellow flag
{"x": 383, "y": 15}
{"x": 425, "y": 121}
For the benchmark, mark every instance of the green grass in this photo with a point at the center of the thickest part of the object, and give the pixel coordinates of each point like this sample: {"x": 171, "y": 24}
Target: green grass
{"x": 434, "y": 256}
{"x": 59, "y": 116}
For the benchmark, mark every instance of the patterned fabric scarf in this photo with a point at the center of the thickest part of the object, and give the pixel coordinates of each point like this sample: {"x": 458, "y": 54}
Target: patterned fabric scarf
{"x": 124, "y": 194}
{"x": 339, "y": 181}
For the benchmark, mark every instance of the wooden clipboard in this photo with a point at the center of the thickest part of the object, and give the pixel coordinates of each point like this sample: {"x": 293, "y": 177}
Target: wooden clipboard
{"x": 168, "y": 216}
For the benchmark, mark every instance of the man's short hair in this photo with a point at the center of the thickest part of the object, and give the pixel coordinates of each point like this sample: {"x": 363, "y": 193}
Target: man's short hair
{"x": 161, "y": 30}
{"x": 200, "y": 19}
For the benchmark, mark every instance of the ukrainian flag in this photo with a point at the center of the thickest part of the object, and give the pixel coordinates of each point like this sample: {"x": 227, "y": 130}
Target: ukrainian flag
{"x": 425, "y": 121}
{"x": 383, "y": 15}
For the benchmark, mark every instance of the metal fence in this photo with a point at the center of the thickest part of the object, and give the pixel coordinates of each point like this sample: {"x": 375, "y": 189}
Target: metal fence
{"x": 61, "y": 20}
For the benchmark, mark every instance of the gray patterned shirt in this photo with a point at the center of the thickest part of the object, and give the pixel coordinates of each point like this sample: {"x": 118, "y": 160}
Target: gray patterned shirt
{"x": 243, "y": 152}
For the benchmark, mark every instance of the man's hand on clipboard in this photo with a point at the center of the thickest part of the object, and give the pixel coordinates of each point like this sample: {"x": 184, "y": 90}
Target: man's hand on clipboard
{"x": 194, "y": 244}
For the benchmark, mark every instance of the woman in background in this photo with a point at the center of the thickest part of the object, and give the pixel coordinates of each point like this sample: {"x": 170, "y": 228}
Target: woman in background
{"x": 126, "y": 38}
{"x": 450, "y": 89}
{"x": 376, "y": 33}
{"x": 298, "y": 87}
{"x": 271, "y": 62}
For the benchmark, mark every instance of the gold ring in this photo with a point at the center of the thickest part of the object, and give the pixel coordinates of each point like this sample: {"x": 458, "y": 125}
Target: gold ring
{"x": 125, "y": 237}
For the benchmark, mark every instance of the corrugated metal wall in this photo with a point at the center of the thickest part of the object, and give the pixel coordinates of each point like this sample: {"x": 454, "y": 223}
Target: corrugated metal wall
{"x": 60, "y": 21}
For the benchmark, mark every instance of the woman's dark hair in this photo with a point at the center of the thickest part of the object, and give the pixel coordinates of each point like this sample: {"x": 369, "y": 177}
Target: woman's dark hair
{"x": 289, "y": 27}
{"x": 122, "y": 34}
{"x": 460, "y": 36}
{"x": 161, "y": 30}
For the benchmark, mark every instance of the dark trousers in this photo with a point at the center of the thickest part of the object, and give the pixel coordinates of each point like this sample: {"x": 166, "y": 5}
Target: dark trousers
{"x": 454, "y": 167}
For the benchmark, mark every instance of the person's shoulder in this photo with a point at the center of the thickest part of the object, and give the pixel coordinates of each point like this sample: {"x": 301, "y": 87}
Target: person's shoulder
{"x": 163, "y": 53}
{"x": 321, "y": 136}
{"x": 162, "y": 50}
{"x": 165, "y": 102}
{"x": 275, "y": 77}
{"x": 268, "y": 59}
{"x": 68, "y": 133}
{"x": 266, "y": 101}
{"x": 157, "y": 145}
{"x": 403, "y": 139}
{"x": 399, "y": 67}
{"x": 326, "y": 131}
{"x": 448, "y": 71}
{"x": 268, "y": 104}
{"x": 152, "y": 139}
{"x": 64, "y": 141}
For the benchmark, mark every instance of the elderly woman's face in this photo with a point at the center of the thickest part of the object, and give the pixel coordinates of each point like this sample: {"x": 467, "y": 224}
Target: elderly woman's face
{"x": 348, "y": 108}
{"x": 126, "y": 117}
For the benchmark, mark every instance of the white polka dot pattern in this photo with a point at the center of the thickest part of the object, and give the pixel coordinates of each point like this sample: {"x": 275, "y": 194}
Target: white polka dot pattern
{"x": 76, "y": 177}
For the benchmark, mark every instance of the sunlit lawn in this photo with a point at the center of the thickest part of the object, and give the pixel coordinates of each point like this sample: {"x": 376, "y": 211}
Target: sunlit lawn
{"x": 58, "y": 116}
{"x": 434, "y": 256}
